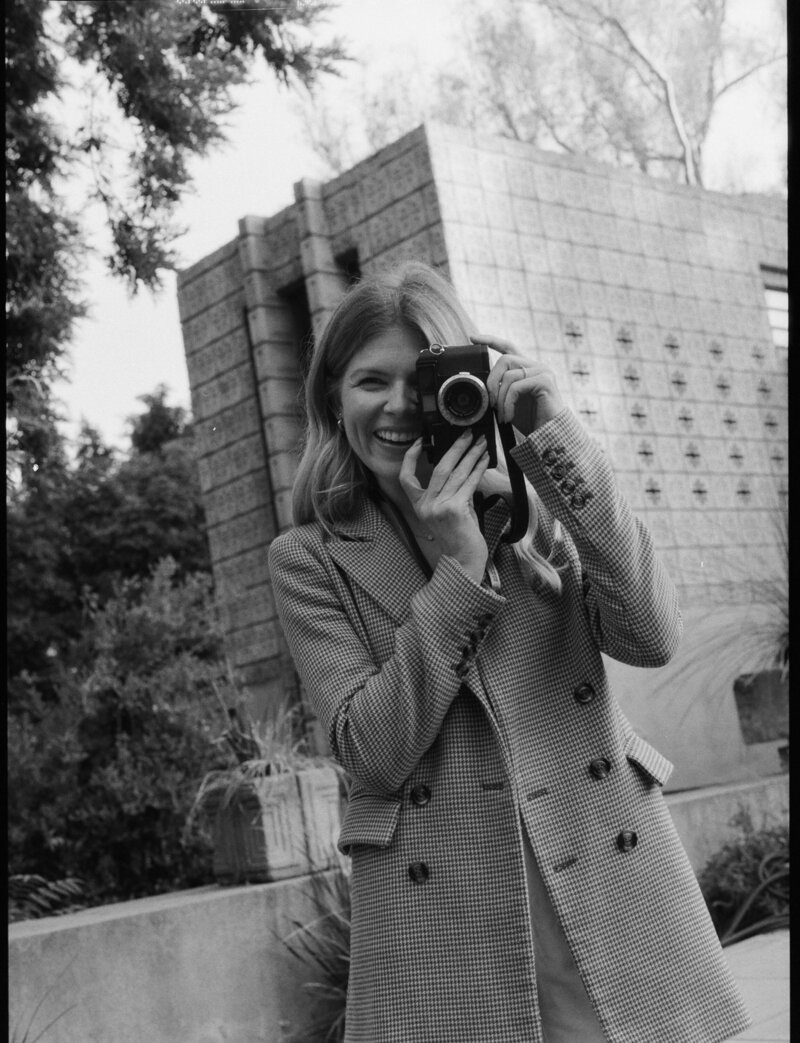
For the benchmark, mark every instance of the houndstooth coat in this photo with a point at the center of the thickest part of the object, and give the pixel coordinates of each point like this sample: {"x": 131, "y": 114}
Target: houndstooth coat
{"x": 461, "y": 714}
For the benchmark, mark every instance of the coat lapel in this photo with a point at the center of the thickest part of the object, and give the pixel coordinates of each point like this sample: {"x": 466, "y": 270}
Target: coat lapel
{"x": 495, "y": 522}
{"x": 371, "y": 554}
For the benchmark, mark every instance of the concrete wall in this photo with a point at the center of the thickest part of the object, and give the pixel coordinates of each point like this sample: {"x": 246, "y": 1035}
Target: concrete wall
{"x": 646, "y": 298}
{"x": 208, "y": 966}
{"x": 200, "y": 966}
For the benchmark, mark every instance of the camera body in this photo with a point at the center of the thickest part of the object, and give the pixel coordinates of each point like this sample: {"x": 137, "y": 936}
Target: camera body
{"x": 451, "y": 384}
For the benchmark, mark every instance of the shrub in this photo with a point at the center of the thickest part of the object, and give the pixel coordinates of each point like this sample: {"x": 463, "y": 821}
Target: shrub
{"x": 101, "y": 781}
{"x": 323, "y": 944}
{"x": 746, "y": 884}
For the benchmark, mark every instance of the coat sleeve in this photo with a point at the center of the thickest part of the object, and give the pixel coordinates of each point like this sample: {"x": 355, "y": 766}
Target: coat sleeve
{"x": 380, "y": 718}
{"x": 631, "y": 602}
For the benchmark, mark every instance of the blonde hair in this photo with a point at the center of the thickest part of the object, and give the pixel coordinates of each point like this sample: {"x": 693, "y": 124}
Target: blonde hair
{"x": 330, "y": 478}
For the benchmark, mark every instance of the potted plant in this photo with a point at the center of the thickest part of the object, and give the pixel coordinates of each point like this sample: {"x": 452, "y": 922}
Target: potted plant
{"x": 274, "y": 807}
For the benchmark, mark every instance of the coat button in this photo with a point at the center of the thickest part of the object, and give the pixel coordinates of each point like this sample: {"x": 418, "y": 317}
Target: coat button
{"x": 599, "y": 768}
{"x": 580, "y": 499}
{"x": 567, "y": 486}
{"x": 420, "y": 794}
{"x": 627, "y": 840}
{"x": 584, "y": 693}
{"x": 549, "y": 456}
{"x": 419, "y": 872}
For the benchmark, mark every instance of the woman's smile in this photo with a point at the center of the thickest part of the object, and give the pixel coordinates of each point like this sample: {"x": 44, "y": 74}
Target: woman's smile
{"x": 395, "y": 439}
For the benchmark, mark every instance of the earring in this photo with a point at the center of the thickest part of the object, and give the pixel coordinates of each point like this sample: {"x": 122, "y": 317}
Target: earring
{"x": 340, "y": 422}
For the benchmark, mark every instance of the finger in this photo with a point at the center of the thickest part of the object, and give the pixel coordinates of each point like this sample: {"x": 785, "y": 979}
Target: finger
{"x": 473, "y": 480}
{"x": 458, "y": 474}
{"x": 514, "y": 381}
{"x": 505, "y": 347}
{"x": 408, "y": 469}
{"x": 509, "y": 369}
{"x": 505, "y": 364}
{"x": 449, "y": 461}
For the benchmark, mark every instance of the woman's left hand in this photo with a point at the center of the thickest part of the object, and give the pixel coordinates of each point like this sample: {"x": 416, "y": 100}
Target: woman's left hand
{"x": 522, "y": 392}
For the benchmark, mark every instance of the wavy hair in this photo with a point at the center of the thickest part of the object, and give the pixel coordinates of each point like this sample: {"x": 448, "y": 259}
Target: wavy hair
{"x": 330, "y": 477}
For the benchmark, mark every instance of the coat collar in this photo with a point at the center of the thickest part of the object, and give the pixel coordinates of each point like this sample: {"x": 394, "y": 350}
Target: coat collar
{"x": 370, "y": 552}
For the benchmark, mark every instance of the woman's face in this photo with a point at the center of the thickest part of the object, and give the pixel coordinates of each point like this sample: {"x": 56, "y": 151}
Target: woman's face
{"x": 378, "y": 399}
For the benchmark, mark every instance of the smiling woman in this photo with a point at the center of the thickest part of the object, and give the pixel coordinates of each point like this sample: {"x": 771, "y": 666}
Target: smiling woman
{"x": 516, "y": 875}
{"x": 378, "y": 402}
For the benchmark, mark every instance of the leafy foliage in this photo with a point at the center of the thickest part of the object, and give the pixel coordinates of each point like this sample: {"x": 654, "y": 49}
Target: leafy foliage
{"x": 746, "y": 885}
{"x": 323, "y": 945}
{"x": 31, "y": 896}
{"x": 74, "y": 531}
{"x": 101, "y": 780}
{"x": 631, "y": 83}
{"x": 162, "y": 74}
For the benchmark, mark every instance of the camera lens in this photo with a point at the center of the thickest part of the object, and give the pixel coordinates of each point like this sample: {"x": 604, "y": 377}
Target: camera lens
{"x": 463, "y": 399}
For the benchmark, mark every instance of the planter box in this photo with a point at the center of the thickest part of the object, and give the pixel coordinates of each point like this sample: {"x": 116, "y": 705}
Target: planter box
{"x": 762, "y": 701}
{"x": 277, "y": 827}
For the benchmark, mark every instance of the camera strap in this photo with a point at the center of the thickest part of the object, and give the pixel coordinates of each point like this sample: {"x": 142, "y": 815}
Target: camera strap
{"x": 519, "y": 494}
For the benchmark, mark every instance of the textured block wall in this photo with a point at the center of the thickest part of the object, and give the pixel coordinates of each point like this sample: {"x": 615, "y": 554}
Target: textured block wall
{"x": 646, "y": 298}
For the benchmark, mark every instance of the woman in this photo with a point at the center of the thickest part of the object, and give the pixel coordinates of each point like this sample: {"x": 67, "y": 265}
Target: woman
{"x": 515, "y": 873}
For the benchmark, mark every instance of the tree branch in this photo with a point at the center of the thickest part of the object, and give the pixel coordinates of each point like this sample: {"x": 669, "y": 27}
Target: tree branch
{"x": 670, "y": 98}
{"x": 749, "y": 72}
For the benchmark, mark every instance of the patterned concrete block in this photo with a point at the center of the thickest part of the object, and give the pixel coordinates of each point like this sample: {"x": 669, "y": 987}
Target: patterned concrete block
{"x": 235, "y": 536}
{"x": 283, "y": 433}
{"x": 243, "y": 456}
{"x": 499, "y": 211}
{"x": 505, "y": 248}
{"x": 562, "y": 255}
{"x": 241, "y": 496}
{"x": 210, "y": 362}
{"x": 211, "y": 285}
{"x": 521, "y": 178}
{"x": 215, "y": 322}
{"x": 541, "y": 296}
{"x": 230, "y": 388}
{"x": 255, "y": 643}
{"x": 252, "y": 607}
{"x": 282, "y": 470}
{"x": 280, "y": 397}
{"x": 229, "y": 425}
{"x": 246, "y": 570}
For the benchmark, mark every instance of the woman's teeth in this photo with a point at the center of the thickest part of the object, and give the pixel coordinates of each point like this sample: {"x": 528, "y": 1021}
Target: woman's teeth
{"x": 396, "y": 437}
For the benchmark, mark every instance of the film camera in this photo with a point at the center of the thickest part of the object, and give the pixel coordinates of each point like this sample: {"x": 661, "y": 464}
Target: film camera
{"x": 452, "y": 394}
{"x": 451, "y": 384}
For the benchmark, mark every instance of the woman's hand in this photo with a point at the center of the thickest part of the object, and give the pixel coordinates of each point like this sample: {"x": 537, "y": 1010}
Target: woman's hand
{"x": 445, "y": 507}
{"x": 522, "y": 392}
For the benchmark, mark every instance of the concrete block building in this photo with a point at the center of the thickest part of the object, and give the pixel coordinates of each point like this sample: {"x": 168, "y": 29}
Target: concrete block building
{"x": 661, "y": 308}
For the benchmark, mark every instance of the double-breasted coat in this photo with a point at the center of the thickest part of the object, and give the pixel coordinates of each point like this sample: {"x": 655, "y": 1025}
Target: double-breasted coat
{"x": 465, "y": 714}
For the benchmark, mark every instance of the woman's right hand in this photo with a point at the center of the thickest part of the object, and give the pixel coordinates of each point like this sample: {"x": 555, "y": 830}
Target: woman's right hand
{"x": 446, "y": 506}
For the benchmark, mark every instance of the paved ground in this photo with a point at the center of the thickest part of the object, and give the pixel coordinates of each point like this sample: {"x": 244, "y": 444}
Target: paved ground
{"x": 761, "y": 966}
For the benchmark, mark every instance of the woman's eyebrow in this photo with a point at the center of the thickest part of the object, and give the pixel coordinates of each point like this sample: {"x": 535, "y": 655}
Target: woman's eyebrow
{"x": 377, "y": 370}
{"x": 366, "y": 369}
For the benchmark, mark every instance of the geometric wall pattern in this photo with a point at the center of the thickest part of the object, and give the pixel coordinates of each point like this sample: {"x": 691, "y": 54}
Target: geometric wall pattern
{"x": 646, "y": 298}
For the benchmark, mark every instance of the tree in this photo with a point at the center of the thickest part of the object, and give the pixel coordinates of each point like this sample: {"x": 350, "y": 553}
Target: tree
{"x": 161, "y": 74}
{"x": 102, "y": 778}
{"x": 632, "y": 83}
{"x": 656, "y": 74}
{"x": 76, "y": 530}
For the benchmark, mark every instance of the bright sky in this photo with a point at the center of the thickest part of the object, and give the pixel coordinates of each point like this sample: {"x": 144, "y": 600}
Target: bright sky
{"x": 128, "y": 346}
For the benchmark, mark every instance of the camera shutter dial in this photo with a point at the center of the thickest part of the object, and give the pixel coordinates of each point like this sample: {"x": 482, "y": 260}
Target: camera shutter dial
{"x": 463, "y": 399}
